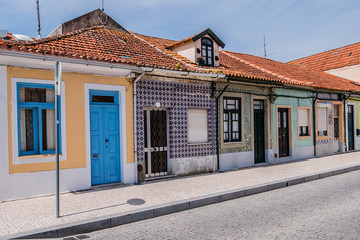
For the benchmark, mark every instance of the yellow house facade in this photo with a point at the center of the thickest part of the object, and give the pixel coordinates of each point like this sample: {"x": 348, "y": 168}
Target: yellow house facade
{"x": 30, "y": 173}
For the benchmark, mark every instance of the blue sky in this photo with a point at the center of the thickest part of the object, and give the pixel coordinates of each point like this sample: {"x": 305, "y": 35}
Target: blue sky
{"x": 293, "y": 28}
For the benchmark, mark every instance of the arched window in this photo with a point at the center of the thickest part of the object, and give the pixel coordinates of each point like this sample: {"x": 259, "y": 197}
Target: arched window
{"x": 207, "y": 51}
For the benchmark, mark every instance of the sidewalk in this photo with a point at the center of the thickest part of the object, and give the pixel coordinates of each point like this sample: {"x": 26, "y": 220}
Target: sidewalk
{"x": 110, "y": 206}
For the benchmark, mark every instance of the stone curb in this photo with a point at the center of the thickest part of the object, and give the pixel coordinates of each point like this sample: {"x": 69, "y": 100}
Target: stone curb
{"x": 108, "y": 221}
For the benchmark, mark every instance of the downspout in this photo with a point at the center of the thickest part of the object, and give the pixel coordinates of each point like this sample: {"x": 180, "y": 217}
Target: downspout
{"x": 344, "y": 122}
{"x": 217, "y": 125}
{"x": 314, "y": 122}
{"x": 135, "y": 125}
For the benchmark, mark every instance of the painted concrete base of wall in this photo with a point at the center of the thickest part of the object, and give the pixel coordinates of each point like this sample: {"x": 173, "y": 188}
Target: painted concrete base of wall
{"x": 24, "y": 185}
{"x": 328, "y": 148}
{"x": 296, "y": 153}
{"x": 236, "y": 160}
{"x": 193, "y": 165}
{"x": 357, "y": 143}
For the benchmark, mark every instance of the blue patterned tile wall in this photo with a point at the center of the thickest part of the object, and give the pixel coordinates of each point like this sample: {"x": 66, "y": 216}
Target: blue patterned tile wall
{"x": 176, "y": 97}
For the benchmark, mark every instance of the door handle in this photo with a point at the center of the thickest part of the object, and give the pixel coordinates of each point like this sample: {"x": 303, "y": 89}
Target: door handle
{"x": 106, "y": 140}
{"x": 154, "y": 149}
{"x": 95, "y": 156}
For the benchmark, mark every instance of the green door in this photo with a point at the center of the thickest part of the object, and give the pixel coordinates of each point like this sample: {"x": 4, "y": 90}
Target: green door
{"x": 351, "y": 127}
{"x": 259, "y": 131}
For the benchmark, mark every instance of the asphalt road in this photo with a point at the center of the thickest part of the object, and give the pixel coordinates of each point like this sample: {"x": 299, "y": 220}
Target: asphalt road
{"x": 324, "y": 209}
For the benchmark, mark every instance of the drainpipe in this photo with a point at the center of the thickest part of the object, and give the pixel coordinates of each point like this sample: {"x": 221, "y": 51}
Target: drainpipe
{"x": 135, "y": 124}
{"x": 314, "y": 122}
{"x": 344, "y": 122}
{"x": 217, "y": 124}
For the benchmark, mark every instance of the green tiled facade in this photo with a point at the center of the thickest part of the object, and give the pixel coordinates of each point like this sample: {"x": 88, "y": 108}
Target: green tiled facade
{"x": 246, "y": 94}
{"x": 296, "y": 98}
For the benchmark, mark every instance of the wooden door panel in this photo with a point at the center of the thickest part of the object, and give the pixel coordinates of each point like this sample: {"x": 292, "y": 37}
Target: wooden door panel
{"x": 283, "y": 131}
{"x": 259, "y": 133}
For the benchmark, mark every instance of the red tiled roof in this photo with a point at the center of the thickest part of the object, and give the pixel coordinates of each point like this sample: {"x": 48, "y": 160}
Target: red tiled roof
{"x": 253, "y": 67}
{"x": 103, "y": 44}
{"x": 9, "y": 36}
{"x": 295, "y": 75}
{"x": 181, "y": 41}
{"x": 161, "y": 45}
{"x": 336, "y": 58}
{"x": 98, "y": 44}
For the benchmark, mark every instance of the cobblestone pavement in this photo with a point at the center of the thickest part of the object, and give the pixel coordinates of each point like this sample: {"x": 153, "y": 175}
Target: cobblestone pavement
{"x": 322, "y": 209}
{"x": 37, "y": 213}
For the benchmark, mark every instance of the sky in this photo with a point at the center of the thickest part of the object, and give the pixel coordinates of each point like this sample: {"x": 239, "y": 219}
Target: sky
{"x": 292, "y": 28}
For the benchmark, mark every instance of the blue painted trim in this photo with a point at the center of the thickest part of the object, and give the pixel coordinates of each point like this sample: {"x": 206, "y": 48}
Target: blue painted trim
{"x": 35, "y": 85}
{"x": 34, "y": 104}
{"x": 121, "y": 133}
{"x": 37, "y": 121}
{"x": 115, "y": 94}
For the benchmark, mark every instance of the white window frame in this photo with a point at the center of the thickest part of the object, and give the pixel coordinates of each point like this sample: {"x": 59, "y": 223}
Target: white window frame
{"x": 193, "y": 136}
{"x": 326, "y": 119}
{"x": 308, "y": 109}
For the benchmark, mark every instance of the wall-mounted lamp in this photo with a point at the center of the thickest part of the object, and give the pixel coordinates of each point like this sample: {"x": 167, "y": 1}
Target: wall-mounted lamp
{"x": 216, "y": 58}
{"x": 198, "y": 50}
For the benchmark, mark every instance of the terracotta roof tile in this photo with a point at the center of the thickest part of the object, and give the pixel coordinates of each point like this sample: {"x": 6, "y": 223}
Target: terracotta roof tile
{"x": 103, "y": 44}
{"x": 295, "y": 75}
{"x": 336, "y": 58}
{"x": 99, "y": 44}
{"x": 252, "y": 67}
{"x": 181, "y": 41}
{"x": 161, "y": 45}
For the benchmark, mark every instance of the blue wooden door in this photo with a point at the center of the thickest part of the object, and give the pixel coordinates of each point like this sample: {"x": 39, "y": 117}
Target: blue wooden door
{"x": 104, "y": 139}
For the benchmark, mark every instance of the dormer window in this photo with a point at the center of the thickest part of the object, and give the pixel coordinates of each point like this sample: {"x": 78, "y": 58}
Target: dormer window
{"x": 207, "y": 51}
{"x": 202, "y": 48}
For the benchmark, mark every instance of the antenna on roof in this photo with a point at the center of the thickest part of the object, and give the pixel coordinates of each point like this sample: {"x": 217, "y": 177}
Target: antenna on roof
{"x": 38, "y": 18}
{"x": 264, "y": 47}
{"x": 102, "y": 5}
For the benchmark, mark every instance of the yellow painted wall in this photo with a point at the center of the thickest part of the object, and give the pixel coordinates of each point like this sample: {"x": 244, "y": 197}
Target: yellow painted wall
{"x": 75, "y": 117}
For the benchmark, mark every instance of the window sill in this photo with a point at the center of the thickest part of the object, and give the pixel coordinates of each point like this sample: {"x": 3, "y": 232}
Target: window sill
{"x": 322, "y": 138}
{"x": 229, "y": 145}
{"x": 304, "y": 137}
{"x": 38, "y": 156}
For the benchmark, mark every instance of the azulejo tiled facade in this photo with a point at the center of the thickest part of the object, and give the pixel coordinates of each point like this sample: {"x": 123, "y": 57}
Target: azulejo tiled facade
{"x": 176, "y": 98}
